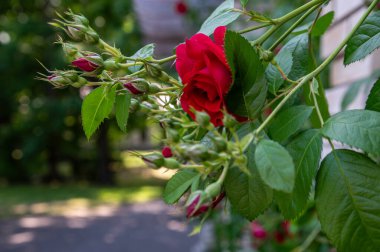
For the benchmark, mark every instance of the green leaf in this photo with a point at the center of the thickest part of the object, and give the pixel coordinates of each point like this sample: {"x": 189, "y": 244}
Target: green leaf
{"x": 223, "y": 15}
{"x": 248, "y": 195}
{"x": 178, "y": 185}
{"x": 348, "y": 201}
{"x": 243, "y": 3}
{"x": 272, "y": 74}
{"x": 145, "y": 52}
{"x": 289, "y": 122}
{"x": 322, "y": 24}
{"x": 123, "y": 101}
{"x": 365, "y": 40}
{"x": 306, "y": 151}
{"x": 275, "y": 166}
{"x": 298, "y": 48}
{"x": 248, "y": 93}
{"x": 373, "y": 101}
{"x": 96, "y": 106}
{"x": 357, "y": 128}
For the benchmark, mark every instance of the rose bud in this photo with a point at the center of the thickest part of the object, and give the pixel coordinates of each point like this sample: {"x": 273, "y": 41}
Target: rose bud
{"x": 154, "y": 160}
{"x": 213, "y": 190}
{"x": 135, "y": 105}
{"x": 171, "y": 163}
{"x": 229, "y": 121}
{"x": 88, "y": 63}
{"x": 202, "y": 118}
{"x": 167, "y": 152}
{"x": 258, "y": 231}
{"x": 75, "y": 33}
{"x": 197, "y": 151}
{"x": 137, "y": 87}
{"x": 156, "y": 72}
{"x": 195, "y": 209}
{"x": 181, "y": 7}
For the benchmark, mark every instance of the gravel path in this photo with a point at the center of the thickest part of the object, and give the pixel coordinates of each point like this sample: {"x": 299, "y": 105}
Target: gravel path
{"x": 151, "y": 226}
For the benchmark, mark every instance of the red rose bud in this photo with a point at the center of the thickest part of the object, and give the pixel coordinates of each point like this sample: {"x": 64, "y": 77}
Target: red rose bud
{"x": 137, "y": 87}
{"x": 154, "y": 160}
{"x": 85, "y": 65}
{"x": 194, "y": 210}
{"x": 181, "y": 7}
{"x": 258, "y": 231}
{"x": 167, "y": 152}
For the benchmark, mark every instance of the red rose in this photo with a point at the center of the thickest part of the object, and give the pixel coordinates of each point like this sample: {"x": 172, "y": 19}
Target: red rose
{"x": 201, "y": 63}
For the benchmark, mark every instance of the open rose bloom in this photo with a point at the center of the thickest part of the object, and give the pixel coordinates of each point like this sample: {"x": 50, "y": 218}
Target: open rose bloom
{"x": 202, "y": 65}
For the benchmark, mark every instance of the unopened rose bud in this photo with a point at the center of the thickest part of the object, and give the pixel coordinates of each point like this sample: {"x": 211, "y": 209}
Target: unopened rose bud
{"x": 111, "y": 65}
{"x": 137, "y": 87}
{"x": 135, "y": 105}
{"x": 171, "y": 163}
{"x": 203, "y": 119}
{"x": 61, "y": 79}
{"x": 258, "y": 231}
{"x": 167, "y": 152}
{"x": 213, "y": 189}
{"x": 88, "y": 63}
{"x": 219, "y": 143}
{"x": 75, "y": 33}
{"x": 267, "y": 56}
{"x": 70, "y": 50}
{"x": 197, "y": 151}
{"x": 156, "y": 72}
{"x": 154, "y": 160}
{"x": 229, "y": 121}
{"x": 194, "y": 206}
{"x": 154, "y": 89}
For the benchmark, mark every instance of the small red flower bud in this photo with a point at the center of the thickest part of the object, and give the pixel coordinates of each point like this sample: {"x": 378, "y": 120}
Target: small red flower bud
{"x": 181, "y": 7}
{"x": 132, "y": 88}
{"x": 85, "y": 65}
{"x": 258, "y": 231}
{"x": 167, "y": 152}
{"x": 193, "y": 211}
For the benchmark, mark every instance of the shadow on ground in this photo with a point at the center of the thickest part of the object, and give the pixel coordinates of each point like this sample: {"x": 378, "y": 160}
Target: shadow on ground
{"x": 151, "y": 226}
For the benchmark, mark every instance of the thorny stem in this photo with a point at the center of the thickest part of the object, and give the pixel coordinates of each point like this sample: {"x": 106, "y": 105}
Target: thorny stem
{"x": 317, "y": 71}
{"x": 280, "y": 21}
{"x": 294, "y": 26}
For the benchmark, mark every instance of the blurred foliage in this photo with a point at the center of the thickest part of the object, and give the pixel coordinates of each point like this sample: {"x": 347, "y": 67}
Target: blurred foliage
{"x": 40, "y": 130}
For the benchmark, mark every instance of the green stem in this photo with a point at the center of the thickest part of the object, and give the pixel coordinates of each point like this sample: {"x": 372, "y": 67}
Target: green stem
{"x": 317, "y": 106}
{"x": 224, "y": 173}
{"x": 309, "y": 240}
{"x": 253, "y": 28}
{"x": 280, "y": 21}
{"x": 112, "y": 50}
{"x": 298, "y": 11}
{"x": 164, "y": 60}
{"x": 318, "y": 70}
{"x": 294, "y": 26}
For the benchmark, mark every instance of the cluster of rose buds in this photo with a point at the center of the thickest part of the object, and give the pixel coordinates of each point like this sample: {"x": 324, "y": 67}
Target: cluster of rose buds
{"x": 199, "y": 142}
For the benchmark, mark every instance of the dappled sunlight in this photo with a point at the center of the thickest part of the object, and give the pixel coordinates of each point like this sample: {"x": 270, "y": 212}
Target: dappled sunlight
{"x": 21, "y": 238}
{"x": 35, "y": 222}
